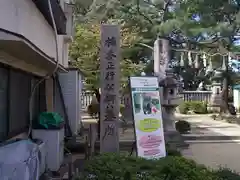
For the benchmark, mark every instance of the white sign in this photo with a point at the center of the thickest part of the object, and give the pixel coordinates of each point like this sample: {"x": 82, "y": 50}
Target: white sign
{"x": 147, "y": 117}
{"x": 110, "y": 82}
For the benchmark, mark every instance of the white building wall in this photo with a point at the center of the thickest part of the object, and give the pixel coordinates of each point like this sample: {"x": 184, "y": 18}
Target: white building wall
{"x": 23, "y": 17}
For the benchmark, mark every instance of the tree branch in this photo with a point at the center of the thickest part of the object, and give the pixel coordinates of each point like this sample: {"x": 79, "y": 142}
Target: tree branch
{"x": 145, "y": 45}
{"x": 189, "y": 41}
{"x": 140, "y": 13}
{"x": 154, "y": 5}
{"x": 166, "y": 5}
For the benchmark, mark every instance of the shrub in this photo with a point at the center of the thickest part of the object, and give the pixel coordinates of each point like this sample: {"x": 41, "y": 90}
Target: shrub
{"x": 93, "y": 109}
{"x": 122, "y": 167}
{"x": 183, "y": 126}
{"x": 122, "y": 107}
{"x": 172, "y": 152}
{"x": 197, "y": 107}
{"x": 184, "y": 107}
{"x": 227, "y": 174}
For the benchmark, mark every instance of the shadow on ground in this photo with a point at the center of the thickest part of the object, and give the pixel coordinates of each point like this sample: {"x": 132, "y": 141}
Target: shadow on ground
{"x": 203, "y": 127}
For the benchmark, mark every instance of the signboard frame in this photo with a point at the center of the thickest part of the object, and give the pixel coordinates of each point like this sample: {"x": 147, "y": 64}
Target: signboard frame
{"x": 151, "y": 141}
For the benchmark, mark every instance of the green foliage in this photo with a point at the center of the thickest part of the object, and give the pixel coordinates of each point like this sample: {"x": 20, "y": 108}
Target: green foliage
{"x": 192, "y": 76}
{"x": 236, "y": 48}
{"x": 218, "y": 18}
{"x": 197, "y": 107}
{"x": 172, "y": 152}
{"x": 184, "y": 107}
{"x": 115, "y": 166}
{"x": 183, "y": 126}
{"x": 227, "y": 174}
{"x": 215, "y": 17}
{"x": 84, "y": 52}
{"x": 203, "y": 25}
{"x": 93, "y": 109}
{"x": 122, "y": 107}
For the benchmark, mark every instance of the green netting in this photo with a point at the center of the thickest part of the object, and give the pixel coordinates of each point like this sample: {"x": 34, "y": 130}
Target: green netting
{"x": 50, "y": 120}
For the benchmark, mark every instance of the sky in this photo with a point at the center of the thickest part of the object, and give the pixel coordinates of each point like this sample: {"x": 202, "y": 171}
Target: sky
{"x": 237, "y": 43}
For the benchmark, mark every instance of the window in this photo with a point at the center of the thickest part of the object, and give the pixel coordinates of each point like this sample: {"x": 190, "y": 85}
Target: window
{"x": 58, "y": 102}
{"x": 3, "y": 101}
{"x": 19, "y": 93}
{"x": 39, "y": 101}
{"x": 15, "y": 91}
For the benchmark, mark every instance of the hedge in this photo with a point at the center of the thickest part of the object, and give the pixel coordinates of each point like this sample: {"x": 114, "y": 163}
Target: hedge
{"x": 183, "y": 126}
{"x": 197, "y": 107}
{"x": 124, "y": 167}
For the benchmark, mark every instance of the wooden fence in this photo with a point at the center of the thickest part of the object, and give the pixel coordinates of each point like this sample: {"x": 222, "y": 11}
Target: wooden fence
{"x": 205, "y": 96}
{"x": 86, "y": 98}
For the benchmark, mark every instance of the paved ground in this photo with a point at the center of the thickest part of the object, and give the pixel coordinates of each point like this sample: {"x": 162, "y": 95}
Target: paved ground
{"x": 215, "y": 144}
{"x": 212, "y": 143}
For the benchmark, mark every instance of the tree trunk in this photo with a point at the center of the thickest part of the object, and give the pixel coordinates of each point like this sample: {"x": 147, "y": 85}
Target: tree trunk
{"x": 98, "y": 96}
{"x": 224, "y": 107}
{"x": 225, "y": 90}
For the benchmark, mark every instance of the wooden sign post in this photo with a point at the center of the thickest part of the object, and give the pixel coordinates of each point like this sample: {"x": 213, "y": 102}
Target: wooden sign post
{"x": 110, "y": 84}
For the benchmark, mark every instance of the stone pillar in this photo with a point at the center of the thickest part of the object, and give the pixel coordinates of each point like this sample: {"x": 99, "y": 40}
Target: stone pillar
{"x": 169, "y": 118}
{"x": 110, "y": 85}
{"x": 216, "y": 97}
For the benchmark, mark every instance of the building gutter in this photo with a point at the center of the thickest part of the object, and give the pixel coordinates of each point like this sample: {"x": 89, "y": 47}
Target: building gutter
{"x": 21, "y": 48}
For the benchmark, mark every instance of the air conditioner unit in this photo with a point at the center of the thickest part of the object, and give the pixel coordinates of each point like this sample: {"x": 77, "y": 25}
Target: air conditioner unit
{"x": 54, "y": 146}
{"x": 42, "y": 155}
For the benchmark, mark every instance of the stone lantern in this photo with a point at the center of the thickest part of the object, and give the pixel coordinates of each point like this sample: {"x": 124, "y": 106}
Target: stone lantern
{"x": 170, "y": 99}
{"x": 216, "y": 98}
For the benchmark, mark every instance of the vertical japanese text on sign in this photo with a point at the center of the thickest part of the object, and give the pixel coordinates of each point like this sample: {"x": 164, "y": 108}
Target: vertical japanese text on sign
{"x": 110, "y": 83}
{"x": 110, "y": 42}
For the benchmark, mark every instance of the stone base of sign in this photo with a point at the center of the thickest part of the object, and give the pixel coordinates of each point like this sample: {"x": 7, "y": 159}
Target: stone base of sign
{"x": 174, "y": 140}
